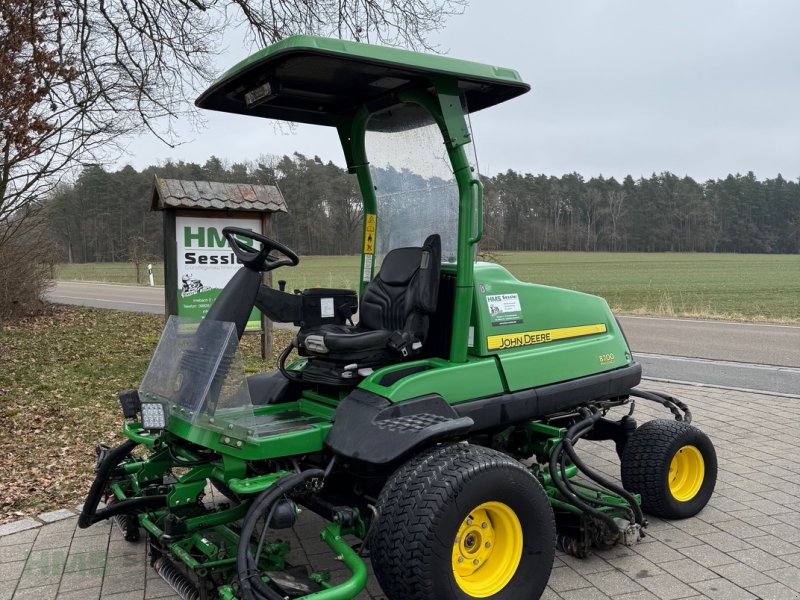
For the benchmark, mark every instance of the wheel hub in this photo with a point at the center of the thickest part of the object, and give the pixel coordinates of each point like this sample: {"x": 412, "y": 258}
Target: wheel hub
{"x": 686, "y": 473}
{"x": 487, "y": 549}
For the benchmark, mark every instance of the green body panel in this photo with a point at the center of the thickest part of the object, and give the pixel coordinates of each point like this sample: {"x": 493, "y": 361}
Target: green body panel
{"x": 537, "y": 362}
{"x": 488, "y": 372}
{"x": 455, "y": 382}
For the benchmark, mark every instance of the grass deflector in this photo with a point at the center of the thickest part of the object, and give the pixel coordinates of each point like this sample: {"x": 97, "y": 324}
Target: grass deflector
{"x": 441, "y": 429}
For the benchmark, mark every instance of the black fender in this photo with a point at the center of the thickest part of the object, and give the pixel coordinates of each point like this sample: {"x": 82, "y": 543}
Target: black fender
{"x": 371, "y": 429}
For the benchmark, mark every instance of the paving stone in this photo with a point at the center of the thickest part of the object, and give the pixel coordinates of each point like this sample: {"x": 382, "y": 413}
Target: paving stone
{"x": 121, "y": 548}
{"x": 64, "y": 525}
{"x": 613, "y": 582}
{"x": 45, "y": 592}
{"x": 55, "y": 515}
{"x": 722, "y": 589}
{"x": 18, "y": 526}
{"x": 11, "y": 571}
{"x": 113, "y": 583}
{"x": 725, "y": 541}
{"x": 563, "y": 579}
{"x": 582, "y": 594}
{"x": 84, "y": 561}
{"x": 789, "y": 576}
{"x": 675, "y": 538}
{"x": 80, "y": 580}
{"x": 594, "y": 563}
{"x": 773, "y": 591}
{"x": 101, "y": 528}
{"x": 127, "y": 563}
{"x": 742, "y": 575}
{"x": 666, "y": 587}
{"x": 89, "y": 544}
{"x": 136, "y": 595}
{"x": 657, "y": 551}
{"x": 707, "y": 555}
{"x": 758, "y": 559}
{"x": 91, "y": 594}
{"x": 637, "y": 567}
{"x": 47, "y": 539}
{"x": 688, "y": 570}
{"x": 14, "y": 553}
{"x": 773, "y": 545}
{"x": 43, "y": 567}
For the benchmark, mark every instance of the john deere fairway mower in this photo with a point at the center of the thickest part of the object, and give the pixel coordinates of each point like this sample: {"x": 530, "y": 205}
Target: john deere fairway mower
{"x": 438, "y": 434}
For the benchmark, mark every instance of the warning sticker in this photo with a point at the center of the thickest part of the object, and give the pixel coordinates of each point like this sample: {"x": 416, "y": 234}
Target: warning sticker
{"x": 504, "y": 309}
{"x": 367, "y": 268}
{"x": 326, "y": 306}
{"x": 369, "y": 234}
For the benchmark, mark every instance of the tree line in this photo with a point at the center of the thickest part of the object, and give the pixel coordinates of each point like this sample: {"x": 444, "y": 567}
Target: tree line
{"x": 104, "y": 216}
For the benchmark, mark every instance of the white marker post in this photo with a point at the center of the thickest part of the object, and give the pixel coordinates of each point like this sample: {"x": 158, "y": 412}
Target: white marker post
{"x": 150, "y": 273}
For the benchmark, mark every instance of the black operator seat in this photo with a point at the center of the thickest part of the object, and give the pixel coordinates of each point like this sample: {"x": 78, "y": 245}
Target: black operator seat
{"x": 394, "y": 313}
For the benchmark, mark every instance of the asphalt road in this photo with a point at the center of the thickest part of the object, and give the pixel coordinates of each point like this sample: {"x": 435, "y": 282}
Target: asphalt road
{"x": 736, "y": 355}
{"x": 715, "y": 340}
{"x": 132, "y": 298}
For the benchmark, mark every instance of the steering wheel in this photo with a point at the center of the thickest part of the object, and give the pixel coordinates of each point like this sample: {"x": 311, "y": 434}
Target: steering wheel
{"x": 259, "y": 260}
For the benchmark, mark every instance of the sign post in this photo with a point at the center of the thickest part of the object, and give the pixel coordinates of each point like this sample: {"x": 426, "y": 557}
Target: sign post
{"x": 198, "y": 261}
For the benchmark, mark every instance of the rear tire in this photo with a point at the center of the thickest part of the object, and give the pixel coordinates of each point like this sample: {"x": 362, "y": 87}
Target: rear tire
{"x": 672, "y": 465}
{"x": 461, "y": 522}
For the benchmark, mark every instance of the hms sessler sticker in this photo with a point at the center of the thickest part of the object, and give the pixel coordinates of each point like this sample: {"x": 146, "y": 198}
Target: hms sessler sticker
{"x": 504, "y": 309}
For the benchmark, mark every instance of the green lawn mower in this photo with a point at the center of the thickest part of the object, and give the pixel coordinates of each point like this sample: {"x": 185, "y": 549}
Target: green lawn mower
{"x": 437, "y": 436}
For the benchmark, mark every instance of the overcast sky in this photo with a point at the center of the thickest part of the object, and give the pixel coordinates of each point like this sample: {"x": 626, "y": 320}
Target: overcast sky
{"x": 699, "y": 88}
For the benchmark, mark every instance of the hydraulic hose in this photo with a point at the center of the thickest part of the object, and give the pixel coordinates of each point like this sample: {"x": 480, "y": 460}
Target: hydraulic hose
{"x": 673, "y": 404}
{"x": 250, "y": 584}
{"x": 583, "y": 468}
{"x": 555, "y": 477}
{"x": 115, "y": 456}
{"x": 593, "y": 475}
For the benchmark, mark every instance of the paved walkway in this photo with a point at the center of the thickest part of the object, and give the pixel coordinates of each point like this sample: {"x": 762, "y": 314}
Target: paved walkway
{"x": 745, "y": 544}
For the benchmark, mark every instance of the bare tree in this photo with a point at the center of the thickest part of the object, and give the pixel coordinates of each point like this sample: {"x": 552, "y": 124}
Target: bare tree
{"x": 615, "y": 204}
{"x": 140, "y": 252}
{"x": 77, "y": 76}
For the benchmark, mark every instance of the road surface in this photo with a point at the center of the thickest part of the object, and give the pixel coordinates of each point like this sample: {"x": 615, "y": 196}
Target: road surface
{"x": 739, "y": 355}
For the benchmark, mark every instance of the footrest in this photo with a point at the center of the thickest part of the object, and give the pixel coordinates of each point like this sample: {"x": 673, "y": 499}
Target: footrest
{"x": 411, "y": 423}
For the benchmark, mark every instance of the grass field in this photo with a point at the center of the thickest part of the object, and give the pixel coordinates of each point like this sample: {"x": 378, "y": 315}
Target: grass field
{"x": 752, "y": 287}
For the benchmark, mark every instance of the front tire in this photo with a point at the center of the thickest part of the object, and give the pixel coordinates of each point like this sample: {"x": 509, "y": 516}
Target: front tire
{"x": 673, "y": 465}
{"x": 461, "y": 522}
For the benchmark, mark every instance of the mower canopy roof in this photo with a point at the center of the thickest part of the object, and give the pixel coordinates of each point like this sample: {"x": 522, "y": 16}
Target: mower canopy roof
{"x": 322, "y": 81}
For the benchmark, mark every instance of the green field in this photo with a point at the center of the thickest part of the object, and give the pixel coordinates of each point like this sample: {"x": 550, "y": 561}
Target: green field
{"x": 752, "y": 287}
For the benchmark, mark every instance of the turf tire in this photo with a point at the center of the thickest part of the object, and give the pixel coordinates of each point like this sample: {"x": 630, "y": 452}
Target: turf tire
{"x": 646, "y": 462}
{"x": 422, "y": 505}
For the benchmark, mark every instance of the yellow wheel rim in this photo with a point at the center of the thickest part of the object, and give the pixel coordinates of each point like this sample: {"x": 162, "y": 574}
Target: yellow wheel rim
{"x": 686, "y": 472}
{"x": 487, "y": 549}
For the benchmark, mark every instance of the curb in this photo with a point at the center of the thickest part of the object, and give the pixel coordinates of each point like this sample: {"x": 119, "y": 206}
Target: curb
{"x": 44, "y": 518}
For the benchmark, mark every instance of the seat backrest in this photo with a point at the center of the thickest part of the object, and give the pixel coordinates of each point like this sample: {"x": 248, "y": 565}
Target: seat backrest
{"x": 405, "y": 291}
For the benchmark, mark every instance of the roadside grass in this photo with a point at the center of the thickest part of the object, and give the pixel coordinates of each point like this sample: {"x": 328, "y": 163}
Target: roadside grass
{"x": 741, "y": 287}
{"x": 59, "y": 377}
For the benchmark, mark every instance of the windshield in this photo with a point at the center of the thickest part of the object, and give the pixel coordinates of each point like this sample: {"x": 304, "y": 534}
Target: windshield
{"x": 416, "y": 192}
{"x": 197, "y": 371}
